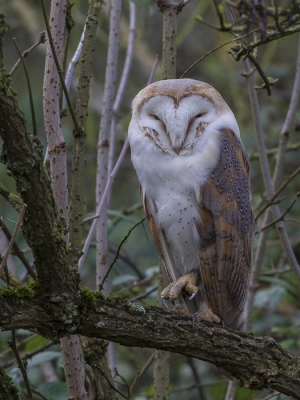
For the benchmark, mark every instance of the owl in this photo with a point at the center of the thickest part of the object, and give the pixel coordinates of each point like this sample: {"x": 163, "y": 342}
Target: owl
{"x": 195, "y": 188}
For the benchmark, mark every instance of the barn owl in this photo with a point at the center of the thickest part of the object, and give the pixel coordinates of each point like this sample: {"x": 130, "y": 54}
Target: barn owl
{"x": 195, "y": 188}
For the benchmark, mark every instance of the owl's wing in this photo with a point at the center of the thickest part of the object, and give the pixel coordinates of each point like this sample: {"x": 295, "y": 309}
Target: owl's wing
{"x": 165, "y": 253}
{"x": 225, "y": 231}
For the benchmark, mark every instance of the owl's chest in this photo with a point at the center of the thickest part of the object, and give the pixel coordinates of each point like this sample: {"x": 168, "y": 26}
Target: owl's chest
{"x": 173, "y": 187}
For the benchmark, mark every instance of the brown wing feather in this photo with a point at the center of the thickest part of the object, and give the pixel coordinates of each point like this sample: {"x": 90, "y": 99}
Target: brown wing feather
{"x": 226, "y": 230}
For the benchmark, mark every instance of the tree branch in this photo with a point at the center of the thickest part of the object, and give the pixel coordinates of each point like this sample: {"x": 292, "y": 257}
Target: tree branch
{"x": 258, "y": 362}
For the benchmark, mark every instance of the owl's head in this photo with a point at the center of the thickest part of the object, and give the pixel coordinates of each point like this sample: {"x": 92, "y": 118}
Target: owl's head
{"x": 175, "y": 113}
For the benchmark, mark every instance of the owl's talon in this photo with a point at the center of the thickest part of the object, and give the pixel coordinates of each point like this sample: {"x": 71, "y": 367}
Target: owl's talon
{"x": 163, "y": 301}
{"x": 192, "y": 296}
{"x": 173, "y": 302}
{"x": 186, "y": 284}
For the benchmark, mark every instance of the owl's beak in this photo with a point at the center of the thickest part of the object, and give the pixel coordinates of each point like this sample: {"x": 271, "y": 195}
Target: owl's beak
{"x": 177, "y": 149}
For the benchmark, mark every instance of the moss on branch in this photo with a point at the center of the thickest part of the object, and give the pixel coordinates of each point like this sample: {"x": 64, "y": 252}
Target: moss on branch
{"x": 258, "y": 362}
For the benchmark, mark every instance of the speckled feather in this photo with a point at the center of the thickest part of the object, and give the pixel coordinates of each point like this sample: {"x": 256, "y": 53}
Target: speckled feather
{"x": 226, "y": 231}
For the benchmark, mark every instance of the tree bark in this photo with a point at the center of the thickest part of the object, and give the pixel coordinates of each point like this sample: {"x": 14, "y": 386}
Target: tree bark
{"x": 258, "y": 362}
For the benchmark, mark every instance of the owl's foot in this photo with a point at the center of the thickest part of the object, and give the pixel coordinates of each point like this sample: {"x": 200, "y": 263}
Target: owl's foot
{"x": 185, "y": 284}
{"x": 206, "y": 314}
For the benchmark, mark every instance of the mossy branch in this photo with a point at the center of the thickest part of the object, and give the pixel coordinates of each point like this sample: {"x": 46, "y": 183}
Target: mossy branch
{"x": 258, "y": 362}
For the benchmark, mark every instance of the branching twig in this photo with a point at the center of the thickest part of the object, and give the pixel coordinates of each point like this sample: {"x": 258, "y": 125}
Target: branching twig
{"x": 102, "y": 203}
{"x": 123, "y": 83}
{"x": 28, "y": 86}
{"x": 281, "y": 218}
{"x": 110, "y": 384}
{"x": 103, "y": 141}
{"x": 25, "y": 53}
{"x": 118, "y": 251}
{"x": 266, "y": 173}
{"x": 21, "y": 365}
{"x": 144, "y": 295}
{"x": 141, "y": 373}
{"x": 13, "y": 238}
{"x": 270, "y": 201}
{"x": 18, "y": 252}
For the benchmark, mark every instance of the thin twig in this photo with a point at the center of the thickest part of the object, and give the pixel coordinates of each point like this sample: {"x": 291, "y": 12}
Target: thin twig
{"x": 13, "y": 238}
{"x": 118, "y": 251}
{"x": 26, "y": 356}
{"x": 123, "y": 83}
{"x": 270, "y": 201}
{"x": 12, "y": 344}
{"x": 154, "y": 68}
{"x": 281, "y": 218}
{"x": 103, "y": 140}
{"x": 72, "y": 65}
{"x": 144, "y": 295}
{"x": 39, "y": 394}
{"x": 272, "y": 152}
{"x": 124, "y": 381}
{"x": 110, "y": 384}
{"x": 266, "y": 172}
{"x": 215, "y": 49}
{"x": 191, "y": 363}
{"x": 262, "y": 242}
{"x": 261, "y": 73}
{"x": 28, "y": 86}
{"x": 102, "y": 203}
{"x": 18, "y": 252}
{"x": 141, "y": 373}
{"x": 25, "y": 53}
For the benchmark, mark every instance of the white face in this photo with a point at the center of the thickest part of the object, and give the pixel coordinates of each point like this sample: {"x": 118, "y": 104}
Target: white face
{"x": 175, "y": 128}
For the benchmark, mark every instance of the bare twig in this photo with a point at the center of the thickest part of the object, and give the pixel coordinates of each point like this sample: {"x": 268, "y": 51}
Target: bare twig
{"x": 213, "y": 50}
{"x": 72, "y": 65}
{"x": 102, "y": 204}
{"x": 18, "y": 252}
{"x": 274, "y": 151}
{"x": 103, "y": 141}
{"x": 270, "y": 201}
{"x": 123, "y": 83}
{"x": 196, "y": 376}
{"x": 141, "y": 373}
{"x": 261, "y": 245}
{"x": 79, "y": 141}
{"x": 21, "y": 363}
{"x": 154, "y": 68}
{"x": 28, "y": 86}
{"x": 266, "y": 172}
{"x": 13, "y": 238}
{"x": 144, "y": 295}
{"x": 110, "y": 384}
{"x": 118, "y": 251}
{"x": 281, "y": 218}
{"x": 25, "y": 53}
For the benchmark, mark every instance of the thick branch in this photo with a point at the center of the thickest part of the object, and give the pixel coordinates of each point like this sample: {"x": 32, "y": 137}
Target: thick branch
{"x": 23, "y": 156}
{"x": 258, "y": 362}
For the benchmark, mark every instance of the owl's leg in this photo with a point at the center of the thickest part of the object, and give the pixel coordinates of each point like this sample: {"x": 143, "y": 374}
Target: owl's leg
{"x": 205, "y": 313}
{"x": 186, "y": 284}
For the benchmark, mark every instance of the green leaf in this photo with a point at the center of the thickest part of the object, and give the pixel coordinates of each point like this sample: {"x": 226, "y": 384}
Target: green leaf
{"x": 36, "y": 343}
{"x": 43, "y": 357}
{"x": 54, "y": 390}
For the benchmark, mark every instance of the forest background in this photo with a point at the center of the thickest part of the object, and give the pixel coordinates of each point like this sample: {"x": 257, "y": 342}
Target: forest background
{"x": 275, "y": 287}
